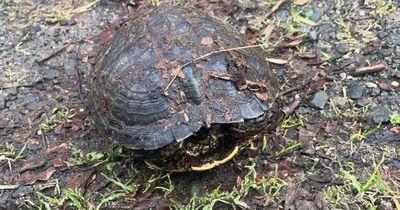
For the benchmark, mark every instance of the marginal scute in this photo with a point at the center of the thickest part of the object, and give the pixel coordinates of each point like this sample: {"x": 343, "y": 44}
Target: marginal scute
{"x": 128, "y": 81}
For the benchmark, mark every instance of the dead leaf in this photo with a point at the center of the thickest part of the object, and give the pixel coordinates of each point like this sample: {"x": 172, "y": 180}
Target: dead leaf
{"x": 90, "y": 179}
{"x": 294, "y": 43}
{"x": 395, "y": 129}
{"x": 262, "y": 96}
{"x": 178, "y": 72}
{"x": 307, "y": 55}
{"x": 85, "y": 58}
{"x": 239, "y": 182}
{"x": 30, "y": 177}
{"x": 385, "y": 86}
{"x": 59, "y": 149}
{"x": 268, "y": 31}
{"x": 162, "y": 64}
{"x": 207, "y": 40}
{"x": 276, "y": 61}
{"x": 108, "y": 33}
{"x": 300, "y": 2}
{"x": 79, "y": 179}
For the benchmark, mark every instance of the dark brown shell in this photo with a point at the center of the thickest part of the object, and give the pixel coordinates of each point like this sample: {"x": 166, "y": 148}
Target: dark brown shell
{"x": 132, "y": 71}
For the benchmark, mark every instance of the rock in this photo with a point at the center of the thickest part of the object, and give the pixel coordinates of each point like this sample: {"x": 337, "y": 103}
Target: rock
{"x": 10, "y": 92}
{"x": 394, "y": 39}
{"x": 396, "y": 164}
{"x": 381, "y": 34}
{"x": 316, "y": 15}
{"x": 342, "y": 48}
{"x": 385, "y": 205}
{"x": 5, "y": 196}
{"x": 2, "y": 102}
{"x": 395, "y": 84}
{"x": 355, "y": 92}
{"x": 22, "y": 191}
{"x": 51, "y": 74}
{"x": 343, "y": 75}
{"x": 397, "y": 74}
{"x": 384, "y": 52}
{"x": 371, "y": 85}
{"x": 375, "y": 92}
{"x": 339, "y": 101}
{"x": 24, "y": 100}
{"x": 313, "y": 35}
{"x": 380, "y": 114}
{"x": 318, "y": 100}
{"x": 397, "y": 50}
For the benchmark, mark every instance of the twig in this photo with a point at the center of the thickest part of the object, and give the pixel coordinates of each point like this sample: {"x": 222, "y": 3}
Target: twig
{"x": 367, "y": 70}
{"x": 55, "y": 53}
{"x": 341, "y": 66}
{"x": 205, "y": 56}
{"x": 274, "y": 8}
{"x": 230, "y": 77}
{"x": 294, "y": 89}
{"x": 9, "y": 187}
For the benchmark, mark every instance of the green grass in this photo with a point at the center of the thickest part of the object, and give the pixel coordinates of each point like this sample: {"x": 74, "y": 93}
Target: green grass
{"x": 291, "y": 122}
{"x": 395, "y": 119}
{"x": 363, "y": 134}
{"x": 11, "y": 155}
{"x": 268, "y": 186}
{"x": 369, "y": 192}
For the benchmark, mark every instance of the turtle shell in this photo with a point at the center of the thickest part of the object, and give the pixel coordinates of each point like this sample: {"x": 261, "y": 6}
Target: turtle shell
{"x": 174, "y": 71}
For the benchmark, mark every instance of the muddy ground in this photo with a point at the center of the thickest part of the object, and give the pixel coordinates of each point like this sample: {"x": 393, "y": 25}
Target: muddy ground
{"x": 338, "y": 65}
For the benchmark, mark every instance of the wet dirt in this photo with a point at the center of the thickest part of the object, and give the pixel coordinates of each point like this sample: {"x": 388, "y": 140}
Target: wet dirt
{"x": 341, "y": 133}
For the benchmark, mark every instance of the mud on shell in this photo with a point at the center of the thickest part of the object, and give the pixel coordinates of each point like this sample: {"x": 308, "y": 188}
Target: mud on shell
{"x": 214, "y": 103}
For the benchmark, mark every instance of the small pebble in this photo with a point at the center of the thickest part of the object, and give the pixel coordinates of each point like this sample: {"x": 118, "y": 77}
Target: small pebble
{"x": 342, "y": 48}
{"x": 343, "y": 75}
{"x": 395, "y": 84}
{"x": 380, "y": 114}
{"x": 371, "y": 85}
{"x": 355, "y": 92}
{"x": 339, "y": 36}
{"x": 316, "y": 15}
{"x": 22, "y": 191}
{"x": 2, "y": 103}
{"x": 397, "y": 50}
{"x": 397, "y": 74}
{"x": 339, "y": 101}
{"x": 318, "y": 100}
{"x": 396, "y": 164}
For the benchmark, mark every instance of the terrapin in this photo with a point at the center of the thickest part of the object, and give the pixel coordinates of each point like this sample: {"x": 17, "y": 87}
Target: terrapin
{"x": 181, "y": 88}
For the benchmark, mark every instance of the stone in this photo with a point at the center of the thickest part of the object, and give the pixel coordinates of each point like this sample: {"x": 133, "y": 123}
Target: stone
{"x": 318, "y": 100}
{"x": 380, "y": 114}
{"x": 397, "y": 50}
{"x": 316, "y": 15}
{"x": 384, "y": 52}
{"x": 343, "y": 75}
{"x": 342, "y": 48}
{"x": 5, "y": 196}
{"x": 356, "y": 91}
{"x": 396, "y": 164}
{"x": 22, "y": 191}
{"x": 371, "y": 85}
{"x": 339, "y": 101}
{"x": 2, "y": 102}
